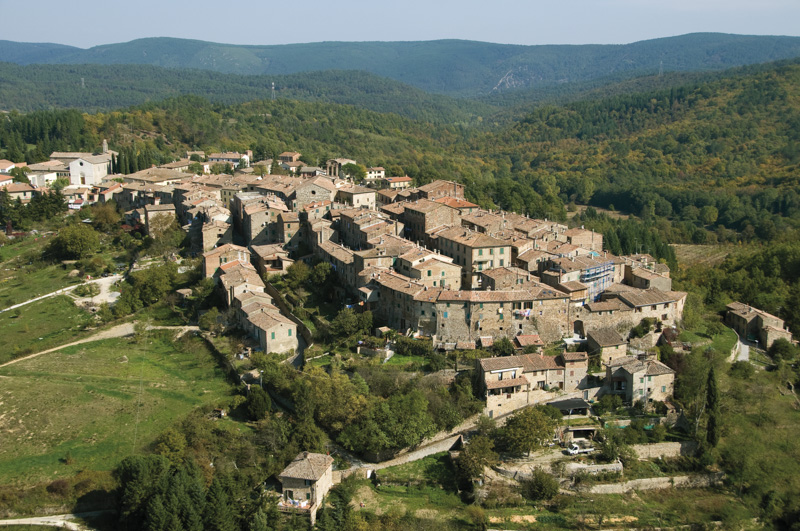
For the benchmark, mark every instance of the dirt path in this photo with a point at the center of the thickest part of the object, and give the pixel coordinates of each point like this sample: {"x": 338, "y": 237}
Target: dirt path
{"x": 56, "y": 520}
{"x": 121, "y": 330}
{"x": 103, "y": 282}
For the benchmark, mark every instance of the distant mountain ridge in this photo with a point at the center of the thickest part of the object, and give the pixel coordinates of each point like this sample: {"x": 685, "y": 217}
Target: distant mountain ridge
{"x": 452, "y": 67}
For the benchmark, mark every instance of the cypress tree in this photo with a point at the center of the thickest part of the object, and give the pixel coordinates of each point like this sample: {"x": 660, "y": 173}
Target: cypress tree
{"x": 712, "y": 408}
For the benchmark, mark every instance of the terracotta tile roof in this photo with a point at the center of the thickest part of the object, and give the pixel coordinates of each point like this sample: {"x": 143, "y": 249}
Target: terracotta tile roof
{"x": 454, "y": 202}
{"x": 512, "y": 382}
{"x": 526, "y": 340}
{"x": 575, "y": 356}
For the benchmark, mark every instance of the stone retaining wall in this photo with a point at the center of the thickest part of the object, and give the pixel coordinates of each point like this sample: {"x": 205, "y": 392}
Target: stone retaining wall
{"x": 699, "y": 481}
{"x": 573, "y": 469}
{"x": 665, "y": 449}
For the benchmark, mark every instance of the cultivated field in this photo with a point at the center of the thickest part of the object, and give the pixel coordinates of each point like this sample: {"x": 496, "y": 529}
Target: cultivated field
{"x": 707, "y": 255}
{"x": 91, "y": 405}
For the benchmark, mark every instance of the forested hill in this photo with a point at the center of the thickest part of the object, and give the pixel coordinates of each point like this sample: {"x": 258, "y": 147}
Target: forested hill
{"x": 455, "y": 67}
{"x": 710, "y": 162}
{"x": 93, "y": 88}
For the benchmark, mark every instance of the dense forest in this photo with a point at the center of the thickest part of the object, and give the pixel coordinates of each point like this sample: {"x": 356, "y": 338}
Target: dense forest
{"x": 453, "y": 67}
{"x": 93, "y": 88}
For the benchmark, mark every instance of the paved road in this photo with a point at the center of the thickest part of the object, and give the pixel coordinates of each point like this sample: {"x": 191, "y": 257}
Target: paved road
{"x": 744, "y": 351}
{"x": 62, "y": 291}
{"x": 122, "y": 330}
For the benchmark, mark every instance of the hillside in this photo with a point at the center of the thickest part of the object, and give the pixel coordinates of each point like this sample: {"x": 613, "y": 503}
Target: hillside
{"x": 93, "y": 88}
{"x": 454, "y": 67}
{"x": 707, "y": 162}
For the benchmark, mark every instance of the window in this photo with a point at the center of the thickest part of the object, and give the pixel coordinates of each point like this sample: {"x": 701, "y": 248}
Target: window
{"x": 429, "y": 272}
{"x": 663, "y": 388}
{"x": 290, "y": 332}
{"x": 491, "y": 251}
{"x": 442, "y": 273}
{"x": 502, "y": 250}
{"x": 501, "y": 262}
{"x": 434, "y": 283}
{"x": 480, "y": 252}
{"x": 272, "y": 335}
{"x": 445, "y": 315}
{"x": 641, "y": 380}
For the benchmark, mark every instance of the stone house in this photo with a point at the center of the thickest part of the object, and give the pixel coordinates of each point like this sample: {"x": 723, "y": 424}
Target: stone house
{"x": 397, "y": 183}
{"x": 164, "y": 212}
{"x": 422, "y": 216}
{"x": 215, "y": 258}
{"x": 512, "y": 382}
{"x": 754, "y": 324}
{"x": 664, "y": 306}
{"x": 236, "y": 278}
{"x": 642, "y": 278}
{"x": 274, "y": 332}
{"x": 271, "y": 259}
{"x": 289, "y": 156}
{"x": 473, "y": 251}
{"x": 581, "y": 237}
{"x": 305, "y": 483}
{"x": 358, "y": 226}
{"x": 438, "y": 189}
{"x": 607, "y": 343}
{"x": 430, "y": 268}
{"x": 462, "y": 205}
{"x": 356, "y": 196}
{"x": 639, "y": 379}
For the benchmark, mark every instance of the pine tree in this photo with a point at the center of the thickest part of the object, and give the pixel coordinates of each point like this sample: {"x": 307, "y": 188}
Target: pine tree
{"x": 217, "y": 515}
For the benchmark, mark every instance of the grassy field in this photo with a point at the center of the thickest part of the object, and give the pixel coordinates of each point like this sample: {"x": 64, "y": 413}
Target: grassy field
{"x": 41, "y": 325}
{"x": 23, "y": 278}
{"x": 708, "y": 255}
{"x": 89, "y": 406}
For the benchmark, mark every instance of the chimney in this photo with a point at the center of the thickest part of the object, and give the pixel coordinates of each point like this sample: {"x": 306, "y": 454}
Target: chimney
{"x": 105, "y": 146}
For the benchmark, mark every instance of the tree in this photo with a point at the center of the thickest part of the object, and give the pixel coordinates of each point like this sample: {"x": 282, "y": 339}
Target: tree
{"x": 210, "y": 321}
{"x": 782, "y": 350}
{"x": 105, "y": 217}
{"x": 357, "y": 172}
{"x": 503, "y": 347}
{"x": 75, "y": 242}
{"x": 218, "y": 514}
{"x": 258, "y": 403}
{"x": 297, "y": 274}
{"x": 172, "y": 445}
{"x": 20, "y": 174}
{"x": 712, "y": 407}
{"x": 540, "y": 486}
{"x": 478, "y": 454}
{"x": 528, "y": 429}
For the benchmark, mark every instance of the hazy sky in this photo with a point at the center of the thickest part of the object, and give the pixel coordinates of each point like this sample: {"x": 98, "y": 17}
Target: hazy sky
{"x": 87, "y": 23}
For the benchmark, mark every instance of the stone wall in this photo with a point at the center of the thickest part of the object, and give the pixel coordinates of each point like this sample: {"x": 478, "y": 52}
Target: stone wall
{"x": 573, "y": 469}
{"x": 699, "y": 481}
{"x": 665, "y": 449}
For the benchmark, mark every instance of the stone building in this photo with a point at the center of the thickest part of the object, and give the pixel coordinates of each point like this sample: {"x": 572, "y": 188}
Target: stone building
{"x": 305, "y": 483}
{"x": 423, "y": 215}
{"x": 607, "y": 344}
{"x": 473, "y": 251}
{"x": 755, "y": 325}
{"x": 639, "y": 379}
{"x": 512, "y": 382}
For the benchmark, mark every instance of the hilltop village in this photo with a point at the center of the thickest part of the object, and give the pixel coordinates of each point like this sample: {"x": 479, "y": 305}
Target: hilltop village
{"x": 424, "y": 260}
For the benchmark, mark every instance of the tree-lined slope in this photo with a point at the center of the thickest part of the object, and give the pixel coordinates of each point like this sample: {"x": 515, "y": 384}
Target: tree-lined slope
{"x": 454, "y": 67}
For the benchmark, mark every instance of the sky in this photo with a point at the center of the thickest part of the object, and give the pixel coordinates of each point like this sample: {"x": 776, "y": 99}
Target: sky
{"x": 87, "y": 23}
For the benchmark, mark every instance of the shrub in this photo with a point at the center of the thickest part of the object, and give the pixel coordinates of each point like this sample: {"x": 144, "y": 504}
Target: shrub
{"x": 742, "y": 369}
{"x": 59, "y": 487}
{"x": 540, "y": 486}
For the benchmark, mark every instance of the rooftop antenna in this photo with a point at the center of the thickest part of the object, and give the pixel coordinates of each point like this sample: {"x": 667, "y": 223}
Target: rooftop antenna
{"x": 273, "y": 91}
